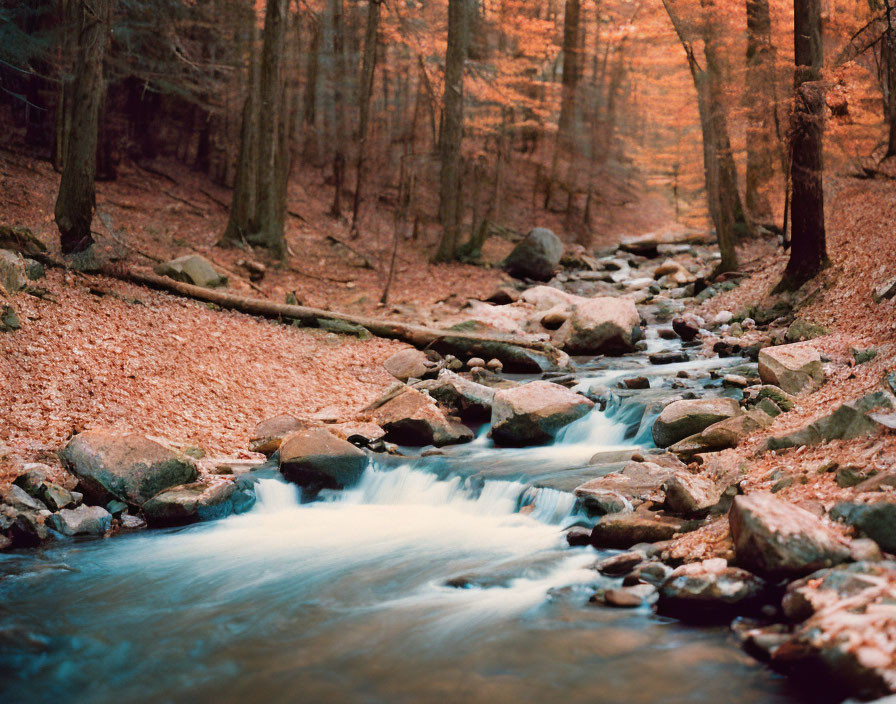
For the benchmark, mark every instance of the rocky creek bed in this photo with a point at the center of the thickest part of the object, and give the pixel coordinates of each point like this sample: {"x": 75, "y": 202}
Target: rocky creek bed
{"x": 476, "y": 535}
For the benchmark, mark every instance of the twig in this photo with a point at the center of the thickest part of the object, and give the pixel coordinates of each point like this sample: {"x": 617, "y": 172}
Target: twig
{"x": 364, "y": 259}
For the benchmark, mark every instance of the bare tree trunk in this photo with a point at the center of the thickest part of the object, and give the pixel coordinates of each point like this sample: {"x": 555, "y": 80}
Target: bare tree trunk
{"x": 339, "y": 75}
{"x": 761, "y": 108}
{"x": 452, "y": 129}
{"x": 808, "y": 251}
{"x": 74, "y": 204}
{"x": 242, "y": 204}
{"x": 268, "y": 221}
{"x": 571, "y": 71}
{"x": 367, "y": 74}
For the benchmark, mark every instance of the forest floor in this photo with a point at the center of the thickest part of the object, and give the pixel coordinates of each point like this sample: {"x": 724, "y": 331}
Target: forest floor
{"x": 166, "y": 366}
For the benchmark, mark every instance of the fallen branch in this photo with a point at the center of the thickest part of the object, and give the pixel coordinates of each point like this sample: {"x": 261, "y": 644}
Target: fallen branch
{"x": 362, "y": 257}
{"x": 517, "y": 353}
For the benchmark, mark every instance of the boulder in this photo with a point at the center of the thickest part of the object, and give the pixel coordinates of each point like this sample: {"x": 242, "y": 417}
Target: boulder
{"x": 794, "y": 368}
{"x": 844, "y": 642}
{"x": 623, "y": 491}
{"x": 621, "y": 564}
{"x": 409, "y": 364}
{"x": 21, "y": 500}
{"x": 691, "y": 494}
{"x": 623, "y": 531}
{"x": 27, "y": 530}
{"x": 534, "y": 413}
{"x": 192, "y": 269}
{"x": 413, "y": 418}
{"x": 801, "y": 330}
{"x": 536, "y": 257}
{"x": 189, "y": 503}
{"x": 13, "y": 277}
{"x": 602, "y": 325}
{"x": 55, "y": 496}
{"x": 317, "y": 459}
{"x": 471, "y": 401}
{"x": 877, "y": 521}
{"x": 850, "y": 420}
{"x": 630, "y": 597}
{"x": 686, "y": 328}
{"x": 710, "y": 591}
{"x": 126, "y": 466}
{"x": 84, "y": 520}
{"x": 681, "y": 419}
{"x": 722, "y": 435}
{"x": 884, "y": 291}
{"x": 269, "y": 433}
{"x": 32, "y": 479}
{"x": 776, "y": 539}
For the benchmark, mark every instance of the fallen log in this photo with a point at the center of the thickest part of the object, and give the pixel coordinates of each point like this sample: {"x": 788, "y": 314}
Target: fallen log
{"x": 518, "y": 354}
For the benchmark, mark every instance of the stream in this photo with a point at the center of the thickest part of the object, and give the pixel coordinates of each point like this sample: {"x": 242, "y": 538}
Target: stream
{"x": 437, "y": 579}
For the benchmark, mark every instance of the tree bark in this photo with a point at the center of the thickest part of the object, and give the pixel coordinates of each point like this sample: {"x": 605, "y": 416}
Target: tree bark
{"x": 808, "y": 251}
{"x": 367, "y": 74}
{"x": 452, "y": 128}
{"x": 571, "y": 71}
{"x": 339, "y": 76}
{"x": 270, "y": 198}
{"x": 77, "y": 195}
{"x": 242, "y": 204}
{"x": 761, "y": 108}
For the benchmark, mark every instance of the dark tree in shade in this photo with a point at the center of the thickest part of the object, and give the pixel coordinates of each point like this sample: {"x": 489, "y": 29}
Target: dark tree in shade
{"x": 452, "y": 132}
{"x": 808, "y": 253}
{"x": 77, "y": 195}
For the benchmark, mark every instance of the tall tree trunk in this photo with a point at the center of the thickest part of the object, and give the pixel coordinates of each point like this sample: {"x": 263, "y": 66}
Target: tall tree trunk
{"x": 309, "y": 103}
{"x": 242, "y": 204}
{"x": 268, "y": 229}
{"x": 367, "y": 73}
{"x": 718, "y": 163}
{"x": 452, "y": 129}
{"x": 339, "y": 76}
{"x": 760, "y": 110}
{"x": 808, "y": 251}
{"x": 888, "y": 69}
{"x": 74, "y": 204}
{"x": 571, "y": 70}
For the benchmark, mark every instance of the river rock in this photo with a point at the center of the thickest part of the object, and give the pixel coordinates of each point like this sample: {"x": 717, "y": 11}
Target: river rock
{"x": 317, "y": 459}
{"x": 710, "y": 591}
{"x": 413, "y": 418}
{"x": 56, "y": 497}
{"x": 468, "y": 399}
{"x": 534, "y": 413}
{"x": 691, "y": 494}
{"x": 622, "y": 531}
{"x": 621, "y": 564}
{"x": 877, "y": 521}
{"x": 794, "y": 368}
{"x": 682, "y": 419}
{"x": 844, "y": 640}
{"x": 84, "y": 520}
{"x": 189, "y": 503}
{"x": 884, "y": 291}
{"x": 21, "y": 500}
{"x": 33, "y": 478}
{"x": 269, "y": 433}
{"x": 126, "y": 466}
{"x": 192, "y": 269}
{"x": 27, "y": 529}
{"x": 409, "y": 364}
{"x": 602, "y": 325}
{"x": 685, "y": 328}
{"x": 630, "y": 597}
{"x": 853, "y": 419}
{"x": 722, "y": 435}
{"x": 536, "y": 257}
{"x": 776, "y": 539}
{"x": 620, "y": 492}
{"x": 12, "y": 271}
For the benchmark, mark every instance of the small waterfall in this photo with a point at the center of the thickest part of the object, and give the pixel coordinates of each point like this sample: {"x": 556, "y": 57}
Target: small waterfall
{"x": 406, "y": 486}
{"x": 276, "y": 496}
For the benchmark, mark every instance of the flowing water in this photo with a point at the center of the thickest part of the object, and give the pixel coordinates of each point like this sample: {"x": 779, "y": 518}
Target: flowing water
{"x": 442, "y": 579}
